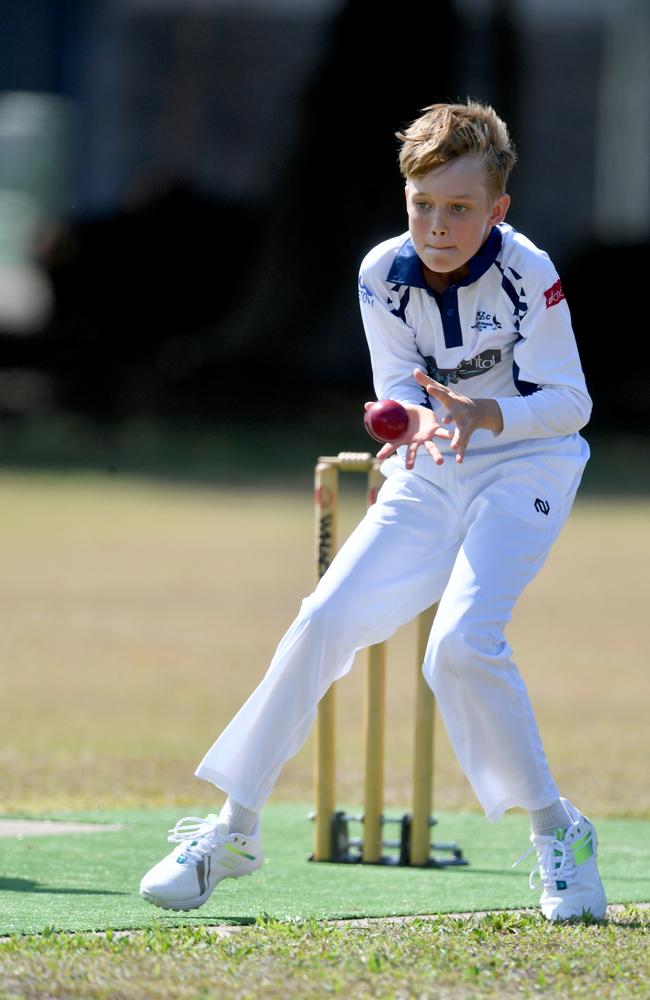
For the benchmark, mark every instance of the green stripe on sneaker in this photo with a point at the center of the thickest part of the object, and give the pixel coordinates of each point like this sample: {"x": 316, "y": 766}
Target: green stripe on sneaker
{"x": 583, "y": 849}
{"x": 242, "y": 854}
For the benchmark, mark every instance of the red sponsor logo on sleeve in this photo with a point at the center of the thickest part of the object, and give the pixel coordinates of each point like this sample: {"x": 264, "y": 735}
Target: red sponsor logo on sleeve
{"x": 554, "y": 294}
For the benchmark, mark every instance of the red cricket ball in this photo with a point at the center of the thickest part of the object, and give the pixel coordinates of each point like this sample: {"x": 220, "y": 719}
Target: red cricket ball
{"x": 386, "y": 420}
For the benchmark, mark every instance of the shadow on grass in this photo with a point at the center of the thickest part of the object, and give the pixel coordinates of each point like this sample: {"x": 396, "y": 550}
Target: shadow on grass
{"x": 205, "y": 920}
{"x": 32, "y": 886}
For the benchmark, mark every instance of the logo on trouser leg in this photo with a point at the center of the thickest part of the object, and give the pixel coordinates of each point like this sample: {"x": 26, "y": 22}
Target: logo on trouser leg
{"x": 542, "y": 506}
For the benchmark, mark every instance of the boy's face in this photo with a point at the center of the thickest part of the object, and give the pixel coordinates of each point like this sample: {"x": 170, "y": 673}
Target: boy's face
{"x": 450, "y": 215}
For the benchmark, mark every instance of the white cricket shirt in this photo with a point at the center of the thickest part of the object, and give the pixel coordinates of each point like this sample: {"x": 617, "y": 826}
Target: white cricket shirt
{"x": 504, "y": 331}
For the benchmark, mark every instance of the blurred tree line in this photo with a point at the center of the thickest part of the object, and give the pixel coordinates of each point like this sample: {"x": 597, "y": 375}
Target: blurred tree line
{"x": 183, "y": 304}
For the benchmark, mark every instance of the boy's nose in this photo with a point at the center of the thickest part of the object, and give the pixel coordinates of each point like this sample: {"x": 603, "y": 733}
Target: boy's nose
{"x": 438, "y": 226}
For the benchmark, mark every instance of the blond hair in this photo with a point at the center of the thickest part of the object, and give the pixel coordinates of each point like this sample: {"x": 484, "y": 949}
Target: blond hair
{"x": 444, "y": 132}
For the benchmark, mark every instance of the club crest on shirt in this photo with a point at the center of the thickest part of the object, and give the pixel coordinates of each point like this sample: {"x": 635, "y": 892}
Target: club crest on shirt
{"x": 470, "y": 368}
{"x": 485, "y": 321}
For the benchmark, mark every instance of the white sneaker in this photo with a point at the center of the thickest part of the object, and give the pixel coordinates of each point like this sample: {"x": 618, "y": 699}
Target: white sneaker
{"x": 567, "y": 869}
{"x": 207, "y": 854}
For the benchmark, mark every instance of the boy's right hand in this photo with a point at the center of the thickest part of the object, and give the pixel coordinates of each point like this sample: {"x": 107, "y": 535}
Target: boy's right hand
{"x": 422, "y": 429}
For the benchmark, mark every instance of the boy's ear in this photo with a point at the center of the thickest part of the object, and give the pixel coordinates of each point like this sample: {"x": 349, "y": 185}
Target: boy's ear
{"x": 499, "y": 209}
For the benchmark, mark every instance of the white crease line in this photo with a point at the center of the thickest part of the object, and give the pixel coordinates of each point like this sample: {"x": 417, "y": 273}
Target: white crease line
{"x": 49, "y": 828}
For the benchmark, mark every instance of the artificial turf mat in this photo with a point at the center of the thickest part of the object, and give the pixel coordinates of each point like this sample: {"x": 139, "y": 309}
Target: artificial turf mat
{"x": 90, "y": 881}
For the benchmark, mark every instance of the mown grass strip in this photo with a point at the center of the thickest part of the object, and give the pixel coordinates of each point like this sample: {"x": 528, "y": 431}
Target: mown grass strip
{"x": 493, "y": 955}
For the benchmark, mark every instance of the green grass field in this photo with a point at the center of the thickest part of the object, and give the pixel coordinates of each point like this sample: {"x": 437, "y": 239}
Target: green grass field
{"x": 136, "y": 615}
{"x": 501, "y": 956}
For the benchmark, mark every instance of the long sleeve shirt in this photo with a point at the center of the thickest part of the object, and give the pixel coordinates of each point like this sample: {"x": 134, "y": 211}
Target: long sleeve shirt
{"x": 504, "y": 331}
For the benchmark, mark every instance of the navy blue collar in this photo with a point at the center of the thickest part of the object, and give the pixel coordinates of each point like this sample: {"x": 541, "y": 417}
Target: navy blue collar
{"x": 407, "y": 268}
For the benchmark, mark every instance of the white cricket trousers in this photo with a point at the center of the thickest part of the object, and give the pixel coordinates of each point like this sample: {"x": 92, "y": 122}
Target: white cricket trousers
{"x": 471, "y": 541}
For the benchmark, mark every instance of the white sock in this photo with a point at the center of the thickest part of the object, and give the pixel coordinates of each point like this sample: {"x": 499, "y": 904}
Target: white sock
{"x": 544, "y": 822}
{"x": 238, "y": 818}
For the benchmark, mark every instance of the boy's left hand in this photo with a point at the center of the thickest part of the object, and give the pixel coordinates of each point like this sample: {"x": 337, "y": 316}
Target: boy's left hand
{"x": 467, "y": 414}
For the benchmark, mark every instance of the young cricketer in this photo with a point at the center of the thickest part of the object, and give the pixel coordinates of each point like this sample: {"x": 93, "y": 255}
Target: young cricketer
{"x": 468, "y": 328}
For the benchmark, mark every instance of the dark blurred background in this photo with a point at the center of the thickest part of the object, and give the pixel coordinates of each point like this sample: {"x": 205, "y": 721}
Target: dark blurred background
{"x": 187, "y": 188}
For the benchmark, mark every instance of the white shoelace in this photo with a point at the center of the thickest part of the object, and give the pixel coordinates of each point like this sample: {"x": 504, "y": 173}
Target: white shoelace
{"x": 199, "y": 835}
{"x": 551, "y": 866}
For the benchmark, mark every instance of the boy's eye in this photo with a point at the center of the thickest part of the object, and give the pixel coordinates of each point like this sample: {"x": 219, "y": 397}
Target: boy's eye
{"x": 458, "y": 209}
{"x": 421, "y": 205}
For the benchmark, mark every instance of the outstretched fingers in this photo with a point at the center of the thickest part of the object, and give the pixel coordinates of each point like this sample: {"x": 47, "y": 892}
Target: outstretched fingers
{"x": 434, "y": 452}
{"x": 414, "y": 445}
{"x": 387, "y": 450}
{"x": 412, "y": 450}
{"x": 466, "y": 414}
{"x": 435, "y": 389}
{"x": 459, "y": 443}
